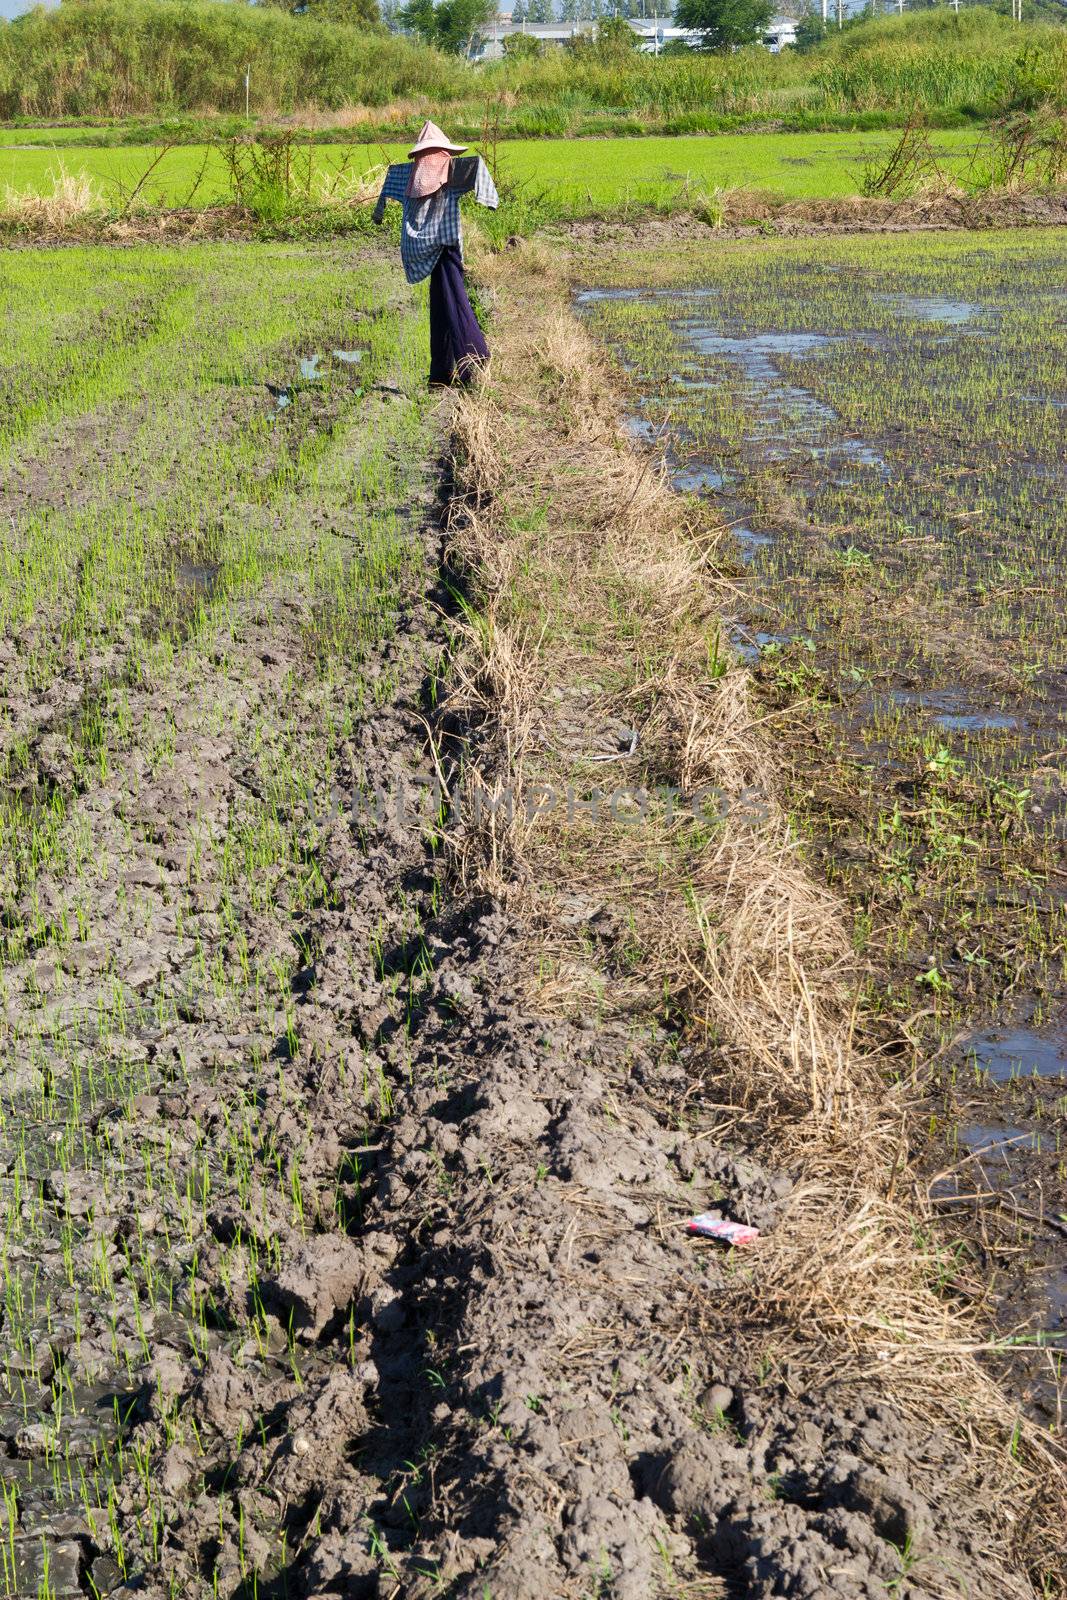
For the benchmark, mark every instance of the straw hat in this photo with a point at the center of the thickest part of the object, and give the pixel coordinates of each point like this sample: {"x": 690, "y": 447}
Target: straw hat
{"x": 431, "y": 138}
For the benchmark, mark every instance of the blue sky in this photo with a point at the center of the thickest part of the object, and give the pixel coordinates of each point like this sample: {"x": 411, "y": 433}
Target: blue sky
{"x": 15, "y": 8}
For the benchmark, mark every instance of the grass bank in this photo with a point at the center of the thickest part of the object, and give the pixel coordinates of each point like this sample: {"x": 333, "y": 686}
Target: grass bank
{"x": 161, "y": 58}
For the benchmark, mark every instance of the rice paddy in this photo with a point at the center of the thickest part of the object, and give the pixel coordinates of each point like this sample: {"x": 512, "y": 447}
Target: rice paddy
{"x": 195, "y": 581}
{"x": 883, "y": 424}
{"x": 238, "y": 1026}
{"x": 574, "y": 177}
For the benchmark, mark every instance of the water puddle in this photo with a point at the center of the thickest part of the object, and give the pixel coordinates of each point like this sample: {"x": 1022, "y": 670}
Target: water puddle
{"x": 977, "y": 722}
{"x": 953, "y": 713}
{"x": 642, "y": 429}
{"x": 1020, "y": 1053}
{"x": 756, "y": 354}
{"x": 750, "y": 646}
{"x": 780, "y": 405}
{"x": 935, "y": 308}
{"x": 311, "y": 371}
{"x": 853, "y": 450}
{"x": 202, "y": 577}
{"x": 589, "y": 297}
{"x": 993, "y": 1139}
{"x": 693, "y": 479}
{"x": 750, "y": 541}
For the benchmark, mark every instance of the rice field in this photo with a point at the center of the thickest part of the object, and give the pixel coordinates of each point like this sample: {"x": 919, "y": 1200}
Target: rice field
{"x": 576, "y": 177}
{"x": 882, "y": 425}
{"x": 208, "y": 463}
{"x": 224, "y": 607}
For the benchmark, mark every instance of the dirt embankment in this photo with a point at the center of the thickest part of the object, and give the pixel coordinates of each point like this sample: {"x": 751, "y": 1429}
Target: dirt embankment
{"x": 739, "y": 214}
{"x": 734, "y": 214}
{"x": 444, "y": 1172}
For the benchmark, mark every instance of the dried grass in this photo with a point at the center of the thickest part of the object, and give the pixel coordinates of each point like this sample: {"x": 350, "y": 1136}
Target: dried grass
{"x": 72, "y": 197}
{"x": 587, "y": 569}
{"x": 337, "y": 186}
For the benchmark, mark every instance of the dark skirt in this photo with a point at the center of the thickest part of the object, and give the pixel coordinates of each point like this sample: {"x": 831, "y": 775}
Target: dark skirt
{"x": 457, "y": 343}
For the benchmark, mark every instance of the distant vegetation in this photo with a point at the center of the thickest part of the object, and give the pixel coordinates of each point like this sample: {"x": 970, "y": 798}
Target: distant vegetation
{"x": 187, "y": 58}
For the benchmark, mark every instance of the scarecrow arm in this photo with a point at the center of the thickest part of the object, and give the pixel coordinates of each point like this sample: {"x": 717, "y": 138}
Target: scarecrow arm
{"x": 470, "y": 175}
{"x": 484, "y": 187}
{"x": 393, "y": 188}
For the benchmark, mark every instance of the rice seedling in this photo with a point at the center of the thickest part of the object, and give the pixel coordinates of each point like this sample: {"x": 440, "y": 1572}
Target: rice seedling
{"x": 542, "y": 180}
{"x": 162, "y": 511}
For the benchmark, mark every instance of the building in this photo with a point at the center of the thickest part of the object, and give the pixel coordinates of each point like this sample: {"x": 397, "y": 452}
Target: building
{"x": 653, "y": 33}
{"x": 780, "y": 35}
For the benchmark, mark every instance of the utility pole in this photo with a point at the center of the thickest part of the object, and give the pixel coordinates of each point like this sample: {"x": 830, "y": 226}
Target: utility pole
{"x": 840, "y": 13}
{"x": 825, "y": 12}
{"x": 248, "y": 89}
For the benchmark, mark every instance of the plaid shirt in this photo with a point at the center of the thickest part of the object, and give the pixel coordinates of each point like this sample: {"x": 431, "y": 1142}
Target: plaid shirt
{"x": 429, "y": 225}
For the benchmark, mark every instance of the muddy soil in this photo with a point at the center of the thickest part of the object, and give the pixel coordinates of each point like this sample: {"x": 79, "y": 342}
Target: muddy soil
{"x": 744, "y": 216}
{"x": 486, "y": 1358}
{"x": 333, "y": 1267}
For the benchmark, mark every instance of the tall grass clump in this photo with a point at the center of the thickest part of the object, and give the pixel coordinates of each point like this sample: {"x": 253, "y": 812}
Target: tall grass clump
{"x": 118, "y": 58}
{"x": 973, "y": 61}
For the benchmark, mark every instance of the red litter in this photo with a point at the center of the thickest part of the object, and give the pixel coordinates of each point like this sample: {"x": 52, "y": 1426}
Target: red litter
{"x": 710, "y": 1226}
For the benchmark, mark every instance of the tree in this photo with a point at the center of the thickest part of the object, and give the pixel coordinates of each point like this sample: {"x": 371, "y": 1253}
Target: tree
{"x": 612, "y": 40}
{"x": 355, "y": 13}
{"x": 615, "y": 37}
{"x": 811, "y": 31}
{"x": 453, "y": 25}
{"x": 521, "y": 47}
{"x": 541, "y": 11}
{"x": 519, "y": 13}
{"x": 725, "y": 24}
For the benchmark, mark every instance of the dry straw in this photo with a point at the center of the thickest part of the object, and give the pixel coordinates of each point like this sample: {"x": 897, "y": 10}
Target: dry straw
{"x": 595, "y": 601}
{"x": 69, "y": 198}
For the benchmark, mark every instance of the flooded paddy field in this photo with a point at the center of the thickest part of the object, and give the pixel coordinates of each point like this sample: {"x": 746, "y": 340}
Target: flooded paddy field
{"x": 882, "y": 424}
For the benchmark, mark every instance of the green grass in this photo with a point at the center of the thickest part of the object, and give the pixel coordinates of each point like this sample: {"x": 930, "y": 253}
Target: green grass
{"x": 574, "y": 178}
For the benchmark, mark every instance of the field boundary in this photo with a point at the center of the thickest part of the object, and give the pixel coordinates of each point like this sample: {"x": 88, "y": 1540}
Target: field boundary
{"x": 582, "y": 562}
{"x": 74, "y": 215}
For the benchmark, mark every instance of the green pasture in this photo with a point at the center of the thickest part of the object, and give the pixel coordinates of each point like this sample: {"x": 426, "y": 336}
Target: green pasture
{"x": 574, "y": 176}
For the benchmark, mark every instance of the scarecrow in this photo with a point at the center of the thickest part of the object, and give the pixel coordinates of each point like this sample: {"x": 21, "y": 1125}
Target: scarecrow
{"x": 431, "y": 245}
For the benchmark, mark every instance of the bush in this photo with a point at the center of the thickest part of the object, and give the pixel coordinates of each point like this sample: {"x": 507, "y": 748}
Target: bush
{"x": 119, "y": 58}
